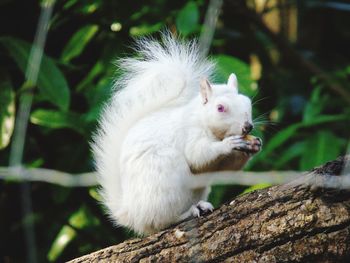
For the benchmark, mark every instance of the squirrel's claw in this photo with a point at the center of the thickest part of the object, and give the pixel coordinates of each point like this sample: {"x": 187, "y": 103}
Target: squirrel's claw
{"x": 252, "y": 145}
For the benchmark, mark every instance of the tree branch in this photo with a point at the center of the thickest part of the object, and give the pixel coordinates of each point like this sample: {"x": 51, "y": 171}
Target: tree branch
{"x": 292, "y": 222}
{"x": 90, "y": 179}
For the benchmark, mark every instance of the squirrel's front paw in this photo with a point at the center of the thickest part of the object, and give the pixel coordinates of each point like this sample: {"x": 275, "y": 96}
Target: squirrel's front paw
{"x": 248, "y": 143}
{"x": 235, "y": 142}
{"x": 253, "y": 144}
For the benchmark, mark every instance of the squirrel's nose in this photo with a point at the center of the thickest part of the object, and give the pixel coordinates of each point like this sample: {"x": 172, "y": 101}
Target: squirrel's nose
{"x": 247, "y": 128}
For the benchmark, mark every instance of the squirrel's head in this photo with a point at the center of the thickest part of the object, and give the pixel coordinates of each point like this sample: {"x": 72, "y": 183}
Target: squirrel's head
{"x": 225, "y": 111}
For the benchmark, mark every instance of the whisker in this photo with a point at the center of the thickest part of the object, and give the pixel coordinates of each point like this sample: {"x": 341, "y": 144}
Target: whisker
{"x": 256, "y": 94}
{"x": 265, "y": 121}
{"x": 262, "y": 116}
{"x": 259, "y": 100}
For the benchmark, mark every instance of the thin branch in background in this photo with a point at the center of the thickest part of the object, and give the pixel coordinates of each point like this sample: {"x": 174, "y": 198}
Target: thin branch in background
{"x": 223, "y": 178}
{"x": 48, "y": 176}
{"x": 25, "y": 102}
{"x": 211, "y": 17}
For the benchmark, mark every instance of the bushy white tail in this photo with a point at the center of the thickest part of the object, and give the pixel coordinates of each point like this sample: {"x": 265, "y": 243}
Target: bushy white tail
{"x": 164, "y": 74}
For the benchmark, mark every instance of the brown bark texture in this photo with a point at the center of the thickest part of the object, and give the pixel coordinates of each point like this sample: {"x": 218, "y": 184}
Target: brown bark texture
{"x": 294, "y": 222}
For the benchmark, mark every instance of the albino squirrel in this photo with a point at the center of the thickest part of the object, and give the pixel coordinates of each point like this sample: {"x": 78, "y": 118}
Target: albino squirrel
{"x": 164, "y": 124}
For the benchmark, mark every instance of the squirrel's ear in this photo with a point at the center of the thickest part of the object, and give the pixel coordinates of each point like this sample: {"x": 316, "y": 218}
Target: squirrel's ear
{"x": 232, "y": 82}
{"x": 206, "y": 90}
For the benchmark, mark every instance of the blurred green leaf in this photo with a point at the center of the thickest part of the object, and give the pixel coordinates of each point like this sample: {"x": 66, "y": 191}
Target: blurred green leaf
{"x": 138, "y": 14}
{"x": 256, "y": 187}
{"x": 289, "y": 154}
{"x": 141, "y": 30}
{"x": 93, "y": 114}
{"x": 82, "y": 218}
{"x": 89, "y": 6}
{"x": 64, "y": 237}
{"x": 51, "y": 82}
{"x": 288, "y": 133}
{"x": 7, "y": 110}
{"x": 321, "y": 119}
{"x": 217, "y": 194}
{"x": 93, "y": 73}
{"x": 69, "y": 4}
{"x": 281, "y": 137}
{"x": 58, "y": 119}
{"x": 35, "y": 163}
{"x": 315, "y": 106}
{"x": 284, "y": 135}
{"x": 83, "y": 7}
{"x": 96, "y": 97}
{"x": 95, "y": 194}
{"x": 320, "y": 148}
{"x": 78, "y": 42}
{"x": 187, "y": 20}
{"x": 227, "y": 65}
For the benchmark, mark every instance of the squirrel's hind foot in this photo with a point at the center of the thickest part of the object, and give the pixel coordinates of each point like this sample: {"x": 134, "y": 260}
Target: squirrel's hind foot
{"x": 204, "y": 207}
{"x": 198, "y": 210}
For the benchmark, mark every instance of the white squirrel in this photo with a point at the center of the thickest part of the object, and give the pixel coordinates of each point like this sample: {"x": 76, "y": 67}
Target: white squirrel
{"x": 164, "y": 124}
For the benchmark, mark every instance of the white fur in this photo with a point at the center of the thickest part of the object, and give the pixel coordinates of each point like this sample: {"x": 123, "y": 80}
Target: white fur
{"x": 158, "y": 129}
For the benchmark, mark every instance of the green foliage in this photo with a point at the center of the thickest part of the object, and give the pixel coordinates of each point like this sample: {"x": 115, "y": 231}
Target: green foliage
{"x": 51, "y": 82}
{"x": 80, "y": 219}
{"x": 57, "y": 120}
{"x": 304, "y": 122}
{"x": 298, "y": 149}
{"x": 78, "y": 42}
{"x": 319, "y": 148}
{"x": 187, "y": 20}
{"x": 66, "y": 235}
{"x": 314, "y": 106}
{"x": 142, "y": 30}
{"x": 228, "y": 64}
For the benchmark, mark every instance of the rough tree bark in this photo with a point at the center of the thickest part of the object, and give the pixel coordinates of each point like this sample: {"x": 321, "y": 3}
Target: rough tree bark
{"x": 292, "y": 222}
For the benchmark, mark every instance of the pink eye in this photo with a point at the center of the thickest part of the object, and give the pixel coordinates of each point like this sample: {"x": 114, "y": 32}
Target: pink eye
{"x": 221, "y": 108}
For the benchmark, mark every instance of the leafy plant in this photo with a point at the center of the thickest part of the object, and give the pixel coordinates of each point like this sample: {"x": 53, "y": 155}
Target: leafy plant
{"x": 51, "y": 82}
